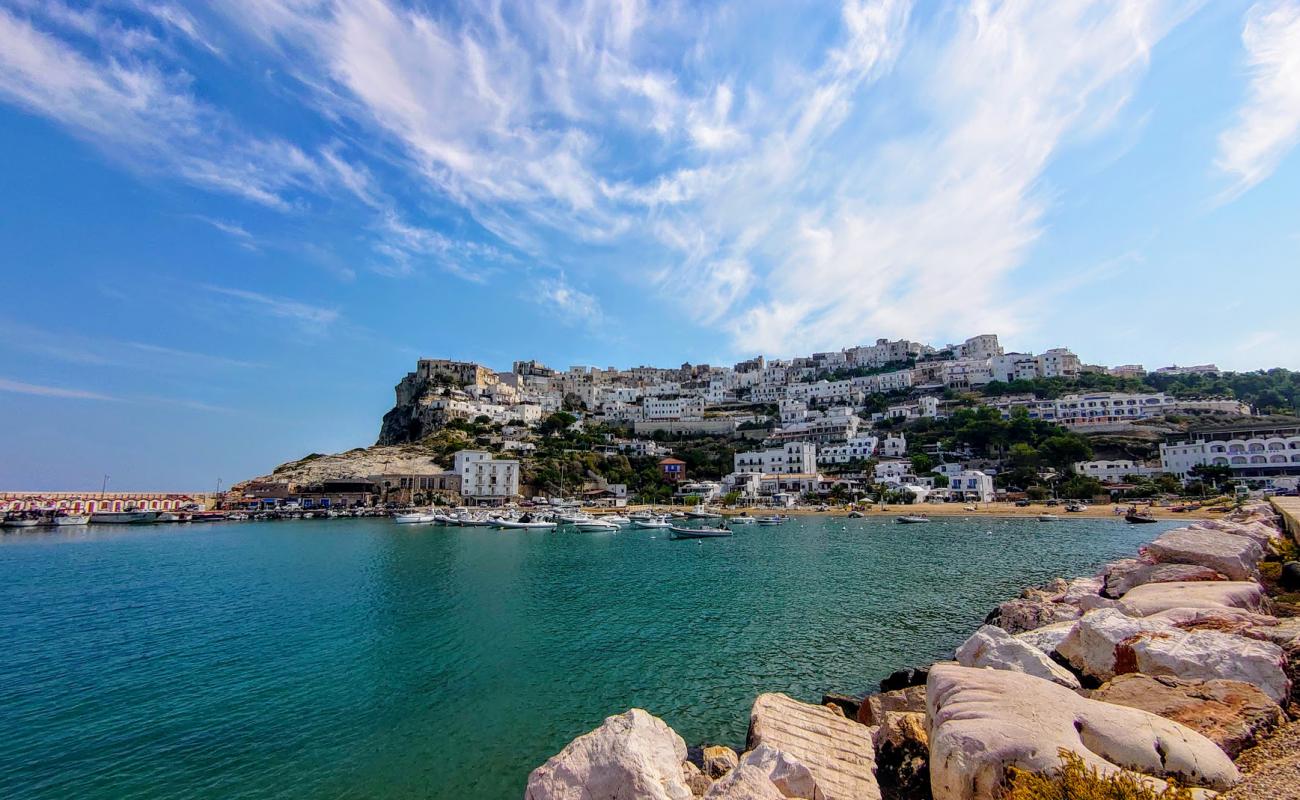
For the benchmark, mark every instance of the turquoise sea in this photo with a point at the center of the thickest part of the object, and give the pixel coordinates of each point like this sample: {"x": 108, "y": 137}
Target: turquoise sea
{"x": 362, "y": 659}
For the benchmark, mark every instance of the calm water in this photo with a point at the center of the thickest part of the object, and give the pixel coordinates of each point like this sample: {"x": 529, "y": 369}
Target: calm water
{"x": 360, "y": 659}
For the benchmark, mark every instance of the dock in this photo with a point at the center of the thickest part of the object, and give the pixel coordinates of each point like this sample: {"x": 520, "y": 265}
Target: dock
{"x": 1289, "y": 508}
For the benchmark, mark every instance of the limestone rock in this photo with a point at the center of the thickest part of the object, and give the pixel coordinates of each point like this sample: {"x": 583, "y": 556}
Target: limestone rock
{"x": 744, "y": 783}
{"x": 903, "y": 755}
{"x": 993, "y": 648}
{"x": 790, "y": 776}
{"x": 1152, "y": 598}
{"x": 696, "y": 780}
{"x": 873, "y": 707}
{"x": 847, "y": 703}
{"x": 631, "y": 756}
{"x": 1091, "y": 645}
{"x": 1208, "y": 655}
{"x": 1231, "y": 714}
{"x": 1237, "y": 557}
{"x": 1080, "y": 590}
{"x": 719, "y": 760}
{"x": 838, "y": 752}
{"x": 983, "y": 721}
{"x": 1121, "y": 576}
{"x": 1049, "y": 637}
{"x": 1025, "y": 614}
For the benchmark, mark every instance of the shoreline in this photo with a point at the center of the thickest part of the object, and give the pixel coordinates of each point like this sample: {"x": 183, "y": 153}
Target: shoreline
{"x": 1003, "y": 510}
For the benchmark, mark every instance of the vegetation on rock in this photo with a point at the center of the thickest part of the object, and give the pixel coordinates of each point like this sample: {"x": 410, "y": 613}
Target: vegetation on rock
{"x": 1075, "y": 780}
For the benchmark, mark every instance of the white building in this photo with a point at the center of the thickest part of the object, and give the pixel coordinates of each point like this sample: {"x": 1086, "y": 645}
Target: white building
{"x": 859, "y": 448}
{"x": 483, "y": 478}
{"x": 1013, "y": 367}
{"x": 896, "y": 472}
{"x": 894, "y": 446}
{"x": 981, "y": 348}
{"x": 790, "y": 458}
{"x": 971, "y": 484}
{"x": 1112, "y": 471}
{"x": 674, "y": 407}
{"x": 1250, "y": 452}
{"x": 1058, "y": 362}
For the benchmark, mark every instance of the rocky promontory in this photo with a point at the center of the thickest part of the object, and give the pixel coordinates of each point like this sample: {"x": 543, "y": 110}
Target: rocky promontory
{"x": 1158, "y": 670}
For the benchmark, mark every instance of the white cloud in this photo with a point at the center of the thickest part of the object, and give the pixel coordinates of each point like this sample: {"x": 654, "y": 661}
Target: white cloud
{"x": 571, "y": 306}
{"x": 1267, "y": 126}
{"x": 37, "y": 390}
{"x": 309, "y": 317}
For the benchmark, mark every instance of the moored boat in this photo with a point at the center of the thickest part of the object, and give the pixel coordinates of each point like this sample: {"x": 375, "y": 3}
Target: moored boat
{"x": 21, "y": 521}
{"x": 125, "y": 517}
{"x": 741, "y": 519}
{"x": 678, "y": 532}
{"x": 911, "y": 519}
{"x": 70, "y": 519}
{"x": 703, "y": 513}
{"x": 414, "y": 518}
{"x": 652, "y": 523}
{"x": 774, "y": 519}
{"x": 1135, "y": 518}
{"x": 1047, "y": 518}
{"x": 514, "y": 524}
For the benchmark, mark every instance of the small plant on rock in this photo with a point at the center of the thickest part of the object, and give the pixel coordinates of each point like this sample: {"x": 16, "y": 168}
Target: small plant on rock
{"x": 1075, "y": 780}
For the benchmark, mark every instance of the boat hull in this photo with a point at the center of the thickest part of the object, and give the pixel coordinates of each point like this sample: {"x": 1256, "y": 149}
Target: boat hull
{"x": 698, "y": 533}
{"x": 125, "y": 517}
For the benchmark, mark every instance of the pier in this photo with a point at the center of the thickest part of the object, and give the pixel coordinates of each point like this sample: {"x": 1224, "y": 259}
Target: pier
{"x": 1289, "y": 508}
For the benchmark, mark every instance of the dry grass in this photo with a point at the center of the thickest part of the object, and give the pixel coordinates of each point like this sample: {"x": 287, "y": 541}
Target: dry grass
{"x": 1076, "y": 781}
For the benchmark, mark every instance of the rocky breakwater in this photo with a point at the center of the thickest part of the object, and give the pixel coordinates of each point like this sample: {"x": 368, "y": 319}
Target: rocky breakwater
{"x": 1165, "y": 667}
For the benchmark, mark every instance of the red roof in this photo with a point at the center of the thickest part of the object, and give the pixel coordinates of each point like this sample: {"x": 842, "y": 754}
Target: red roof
{"x": 670, "y": 461}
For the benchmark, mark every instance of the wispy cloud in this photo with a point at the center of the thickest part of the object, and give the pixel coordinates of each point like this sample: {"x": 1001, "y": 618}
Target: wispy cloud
{"x": 571, "y": 306}
{"x": 231, "y": 229}
{"x": 306, "y": 316}
{"x": 38, "y": 390}
{"x": 1267, "y": 126}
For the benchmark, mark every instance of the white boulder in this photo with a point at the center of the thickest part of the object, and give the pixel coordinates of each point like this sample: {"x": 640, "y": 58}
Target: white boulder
{"x": 1092, "y": 645}
{"x": 984, "y": 721}
{"x": 993, "y": 648}
{"x": 839, "y": 752}
{"x": 1152, "y": 598}
{"x": 791, "y": 777}
{"x": 1049, "y": 637}
{"x": 631, "y": 756}
{"x": 1237, "y": 557}
{"x": 744, "y": 783}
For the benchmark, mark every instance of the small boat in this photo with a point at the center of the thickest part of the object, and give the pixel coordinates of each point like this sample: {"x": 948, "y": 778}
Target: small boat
{"x": 911, "y": 519}
{"x": 516, "y": 525}
{"x": 595, "y": 526}
{"x": 775, "y": 519}
{"x": 741, "y": 519}
{"x": 969, "y": 508}
{"x": 413, "y": 518}
{"x": 1047, "y": 518}
{"x": 125, "y": 517}
{"x": 652, "y": 523}
{"x": 617, "y": 519}
{"x": 15, "y": 521}
{"x": 703, "y": 513}
{"x": 70, "y": 519}
{"x": 1075, "y": 507}
{"x": 174, "y": 516}
{"x": 678, "y": 532}
{"x": 856, "y": 515}
{"x": 1135, "y": 518}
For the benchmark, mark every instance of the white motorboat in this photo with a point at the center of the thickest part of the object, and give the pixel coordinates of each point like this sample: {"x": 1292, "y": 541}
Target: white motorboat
{"x": 514, "y": 524}
{"x": 617, "y": 519}
{"x": 1047, "y": 518}
{"x": 173, "y": 516}
{"x": 775, "y": 519}
{"x": 678, "y": 532}
{"x": 125, "y": 517}
{"x": 595, "y": 526}
{"x": 71, "y": 519}
{"x": 703, "y": 513}
{"x": 21, "y": 522}
{"x": 741, "y": 519}
{"x": 652, "y": 523}
{"x": 414, "y": 518}
{"x": 573, "y": 519}
{"x": 911, "y": 519}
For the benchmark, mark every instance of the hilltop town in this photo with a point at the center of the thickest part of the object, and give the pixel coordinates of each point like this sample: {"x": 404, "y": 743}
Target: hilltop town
{"x": 897, "y": 420}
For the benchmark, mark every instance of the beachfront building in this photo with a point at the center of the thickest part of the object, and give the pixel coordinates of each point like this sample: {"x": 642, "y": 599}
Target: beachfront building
{"x": 1116, "y": 471}
{"x": 895, "y": 472}
{"x": 859, "y": 448}
{"x": 791, "y": 458}
{"x": 484, "y": 479}
{"x": 672, "y": 470}
{"x": 972, "y": 484}
{"x": 1250, "y": 451}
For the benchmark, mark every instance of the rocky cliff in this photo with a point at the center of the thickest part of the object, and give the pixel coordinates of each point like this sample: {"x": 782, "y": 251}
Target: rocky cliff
{"x": 414, "y": 415}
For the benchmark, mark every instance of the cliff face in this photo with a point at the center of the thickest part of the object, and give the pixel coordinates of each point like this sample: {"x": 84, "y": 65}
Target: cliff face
{"x": 353, "y": 464}
{"x": 412, "y": 417}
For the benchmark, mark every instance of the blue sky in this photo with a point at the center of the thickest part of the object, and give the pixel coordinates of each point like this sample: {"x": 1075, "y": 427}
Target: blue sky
{"x": 227, "y": 229}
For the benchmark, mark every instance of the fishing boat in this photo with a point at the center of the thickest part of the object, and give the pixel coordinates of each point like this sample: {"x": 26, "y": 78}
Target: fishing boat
{"x": 69, "y": 519}
{"x": 652, "y": 523}
{"x": 775, "y": 519}
{"x": 595, "y": 526}
{"x": 911, "y": 519}
{"x": 741, "y": 519}
{"x": 21, "y": 521}
{"x": 1047, "y": 518}
{"x": 678, "y": 532}
{"x": 174, "y": 516}
{"x": 1135, "y": 518}
{"x": 125, "y": 517}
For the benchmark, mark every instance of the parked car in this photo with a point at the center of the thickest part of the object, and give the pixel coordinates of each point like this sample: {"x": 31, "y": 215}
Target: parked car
{"x": 1022, "y": 504}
